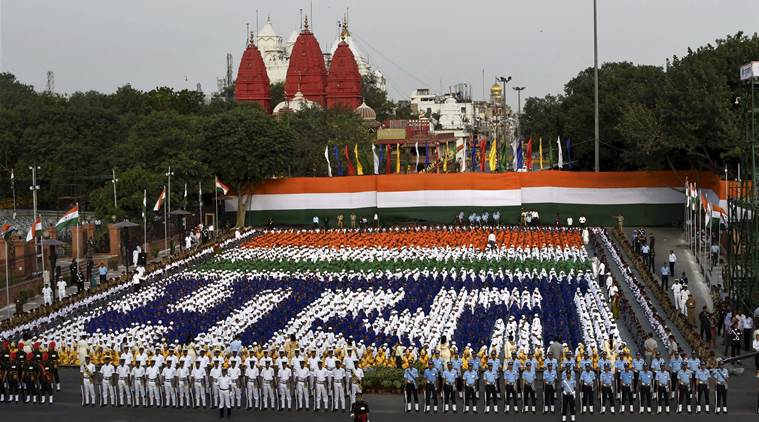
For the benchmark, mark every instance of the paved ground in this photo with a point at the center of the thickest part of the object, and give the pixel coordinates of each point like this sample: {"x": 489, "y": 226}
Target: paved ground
{"x": 741, "y": 399}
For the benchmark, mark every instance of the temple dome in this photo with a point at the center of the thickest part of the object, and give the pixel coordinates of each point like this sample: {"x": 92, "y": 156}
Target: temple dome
{"x": 344, "y": 79}
{"x": 252, "y": 84}
{"x": 366, "y": 112}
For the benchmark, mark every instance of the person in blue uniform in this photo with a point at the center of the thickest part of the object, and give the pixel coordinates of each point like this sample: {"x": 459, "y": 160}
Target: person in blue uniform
{"x": 637, "y": 367}
{"x": 549, "y": 387}
{"x": 675, "y": 364}
{"x": 626, "y": 378}
{"x": 431, "y": 376}
{"x": 663, "y": 384}
{"x": 703, "y": 376}
{"x": 510, "y": 378}
{"x": 493, "y": 359}
{"x": 645, "y": 379}
{"x": 567, "y": 397}
{"x": 528, "y": 387}
{"x": 684, "y": 384}
{"x": 470, "y": 381}
{"x": 410, "y": 375}
{"x": 449, "y": 385}
{"x": 719, "y": 374}
{"x": 587, "y": 384}
{"x": 606, "y": 379}
{"x": 490, "y": 376}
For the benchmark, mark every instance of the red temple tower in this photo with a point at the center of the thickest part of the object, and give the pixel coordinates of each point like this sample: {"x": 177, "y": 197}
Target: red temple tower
{"x": 306, "y": 72}
{"x": 252, "y": 83}
{"x": 344, "y": 80}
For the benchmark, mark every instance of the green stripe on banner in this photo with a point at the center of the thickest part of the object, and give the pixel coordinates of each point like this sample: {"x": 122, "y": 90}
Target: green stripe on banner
{"x": 602, "y": 215}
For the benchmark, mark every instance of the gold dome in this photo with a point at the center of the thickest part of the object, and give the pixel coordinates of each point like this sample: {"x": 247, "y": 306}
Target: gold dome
{"x": 496, "y": 90}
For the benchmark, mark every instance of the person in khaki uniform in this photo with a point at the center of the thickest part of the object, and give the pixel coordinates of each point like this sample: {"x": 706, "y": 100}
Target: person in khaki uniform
{"x": 690, "y": 304}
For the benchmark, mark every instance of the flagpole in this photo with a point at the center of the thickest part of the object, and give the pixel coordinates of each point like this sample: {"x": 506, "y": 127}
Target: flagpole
{"x": 165, "y": 228}
{"x": 216, "y": 204}
{"x": 200, "y": 204}
{"x": 145, "y": 219}
{"x": 77, "y": 237}
{"x": 7, "y": 277}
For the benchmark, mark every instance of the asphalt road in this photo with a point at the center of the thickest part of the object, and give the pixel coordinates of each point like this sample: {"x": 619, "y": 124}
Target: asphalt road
{"x": 741, "y": 401}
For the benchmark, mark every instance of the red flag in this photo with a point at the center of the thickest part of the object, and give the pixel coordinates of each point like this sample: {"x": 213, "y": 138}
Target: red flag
{"x": 389, "y": 156}
{"x": 528, "y": 159}
{"x": 483, "y": 153}
{"x": 351, "y": 171}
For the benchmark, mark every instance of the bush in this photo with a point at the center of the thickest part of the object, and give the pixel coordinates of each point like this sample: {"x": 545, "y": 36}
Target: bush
{"x": 383, "y": 379}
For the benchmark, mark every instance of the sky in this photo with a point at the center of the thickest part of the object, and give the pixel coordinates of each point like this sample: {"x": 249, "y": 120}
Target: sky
{"x": 102, "y": 45}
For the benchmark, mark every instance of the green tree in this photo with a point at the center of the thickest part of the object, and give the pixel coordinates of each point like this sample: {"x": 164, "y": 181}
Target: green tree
{"x": 245, "y": 146}
{"x": 277, "y": 92}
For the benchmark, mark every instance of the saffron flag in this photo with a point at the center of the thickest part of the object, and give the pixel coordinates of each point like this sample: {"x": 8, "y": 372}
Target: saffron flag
{"x": 71, "y": 217}
{"x": 445, "y": 159}
{"x": 220, "y": 186}
{"x": 398, "y": 158}
{"x": 351, "y": 171}
{"x": 561, "y": 158}
{"x": 159, "y": 202}
{"x": 326, "y": 157}
{"x": 7, "y": 231}
{"x": 376, "y": 160}
{"x": 492, "y": 163}
{"x": 35, "y": 229}
{"x": 540, "y": 152}
{"x": 359, "y": 167}
{"x": 528, "y": 155}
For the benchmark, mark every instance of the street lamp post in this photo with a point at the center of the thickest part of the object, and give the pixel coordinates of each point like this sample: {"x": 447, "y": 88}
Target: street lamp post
{"x": 595, "y": 82}
{"x": 503, "y": 80}
{"x": 34, "y": 188}
{"x": 114, "y": 180}
{"x": 519, "y": 90}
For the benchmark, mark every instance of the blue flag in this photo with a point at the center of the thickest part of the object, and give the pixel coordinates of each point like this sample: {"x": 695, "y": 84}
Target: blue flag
{"x": 519, "y": 157}
{"x": 568, "y": 144}
{"x": 379, "y": 162}
{"x": 337, "y": 161}
{"x": 426, "y": 156}
{"x": 474, "y": 158}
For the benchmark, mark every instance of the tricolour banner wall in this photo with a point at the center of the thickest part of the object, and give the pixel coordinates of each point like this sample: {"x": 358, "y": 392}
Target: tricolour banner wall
{"x": 643, "y": 198}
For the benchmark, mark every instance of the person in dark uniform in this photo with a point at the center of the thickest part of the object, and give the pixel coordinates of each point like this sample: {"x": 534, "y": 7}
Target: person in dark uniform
{"x": 360, "y": 409}
{"x": 12, "y": 377}
{"x": 45, "y": 377}
{"x": 73, "y": 275}
{"x": 30, "y": 379}
{"x": 53, "y": 357}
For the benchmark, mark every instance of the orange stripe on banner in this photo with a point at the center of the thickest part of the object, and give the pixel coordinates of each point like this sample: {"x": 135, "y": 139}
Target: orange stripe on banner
{"x": 487, "y": 181}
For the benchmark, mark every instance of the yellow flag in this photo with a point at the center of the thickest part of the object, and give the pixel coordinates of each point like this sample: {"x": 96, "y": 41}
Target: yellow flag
{"x": 397, "y": 158}
{"x": 492, "y": 155}
{"x": 540, "y": 152}
{"x": 359, "y": 167}
{"x": 445, "y": 159}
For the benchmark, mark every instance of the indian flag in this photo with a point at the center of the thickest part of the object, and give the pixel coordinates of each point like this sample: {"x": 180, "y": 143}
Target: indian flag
{"x": 71, "y": 217}
{"x": 36, "y": 228}
{"x": 159, "y": 202}
{"x": 221, "y": 186}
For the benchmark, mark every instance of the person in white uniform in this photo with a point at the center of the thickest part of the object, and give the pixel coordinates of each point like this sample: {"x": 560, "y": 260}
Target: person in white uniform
{"x": 153, "y": 374}
{"x": 251, "y": 390}
{"x": 87, "y": 369}
{"x": 225, "y": 400}
{"x": 138, "y": 384}
{"x": 106, "y": 374}
{"x": 338, "y": 379}
{"x": 284, "y": 376}
{"x": 267, "y": 381}
{"x": 123, "y": 372}
{"x": 199, "y": 381}
{"x": 167, "y": 375}
{"x": 183, "y": 384}
{"x": 301, "y": 386}
{"x": 321, "y": 375}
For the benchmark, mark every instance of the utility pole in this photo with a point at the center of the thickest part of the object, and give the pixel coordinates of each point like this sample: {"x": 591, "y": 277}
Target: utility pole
{"x": 595, "y": 81}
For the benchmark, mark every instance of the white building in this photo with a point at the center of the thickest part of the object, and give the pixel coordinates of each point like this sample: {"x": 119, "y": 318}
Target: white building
{"x": 452, "y": 113}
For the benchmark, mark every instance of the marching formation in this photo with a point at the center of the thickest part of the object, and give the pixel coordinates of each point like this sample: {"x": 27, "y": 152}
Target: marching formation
{"x": 28, "y": 373}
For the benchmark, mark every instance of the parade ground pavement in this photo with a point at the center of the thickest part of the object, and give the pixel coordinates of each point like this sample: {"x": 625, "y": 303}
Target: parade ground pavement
{"x": 741, "y": 403}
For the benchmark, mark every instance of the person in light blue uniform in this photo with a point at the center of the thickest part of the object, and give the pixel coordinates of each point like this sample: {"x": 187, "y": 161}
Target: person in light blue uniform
{"x": 645, "y": 379}
{"x": 637, "y": 366}
{"x": 675, "y": 364}
{"x": 510, "y": 379}
{"x": 431, "y": 376}
{"x": 684, "y": 384}
{"x": 663, "y": 384}
{"x": 703, "y": 376}
{"x": 491, "y": 378}
{"x": 720, "y": 374}
{"x": 568, "y": 387}
{"x": 626, "y": 378}
{"x": 549, "y": 387}
{"x": 528, "y": 387}
{"x": 587, "y": 386}
{"x": 493, "y": 359}
{"x": 449, "y": 385}
{"x": 657, "y": 363}
{"x": 470, "y": 381}
{"x": 606, "y": 379}
{"x": 410, "y": 375}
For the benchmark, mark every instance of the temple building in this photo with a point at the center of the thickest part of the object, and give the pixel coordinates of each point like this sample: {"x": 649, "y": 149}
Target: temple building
{"x": 252, "y": 80}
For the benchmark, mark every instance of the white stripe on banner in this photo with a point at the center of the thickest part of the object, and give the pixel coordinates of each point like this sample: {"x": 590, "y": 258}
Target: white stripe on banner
{"x": 462, "y": 198}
